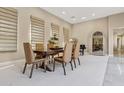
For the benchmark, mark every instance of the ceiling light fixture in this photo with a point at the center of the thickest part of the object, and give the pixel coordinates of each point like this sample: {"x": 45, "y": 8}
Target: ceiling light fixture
{"x": 93, "y": 14}
{"x": 83, "y": 17}
{"x": 63, "y": 12}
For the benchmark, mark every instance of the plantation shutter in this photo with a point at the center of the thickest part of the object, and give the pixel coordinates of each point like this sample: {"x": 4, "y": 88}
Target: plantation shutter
{"x": 55, "y": 30}
{"x": 37, "y": 31}
{"x": 66, "y": 35}
{"x": 8, "y": 29}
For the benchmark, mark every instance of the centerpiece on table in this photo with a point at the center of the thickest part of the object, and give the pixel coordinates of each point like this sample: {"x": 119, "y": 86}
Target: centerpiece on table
{"x": 53, "y": 42}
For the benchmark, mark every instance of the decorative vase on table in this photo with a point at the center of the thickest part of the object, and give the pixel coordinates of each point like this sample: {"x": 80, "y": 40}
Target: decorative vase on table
{"x": 53, "y": 42}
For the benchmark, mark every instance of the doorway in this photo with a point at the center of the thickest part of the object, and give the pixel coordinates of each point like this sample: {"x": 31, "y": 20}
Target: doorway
{"x": 97, "y": 43}
{"x": 118, "y": 42}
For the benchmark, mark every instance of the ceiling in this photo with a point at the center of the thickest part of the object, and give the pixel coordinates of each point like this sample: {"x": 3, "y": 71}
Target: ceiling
{"x": 75, "y": 15}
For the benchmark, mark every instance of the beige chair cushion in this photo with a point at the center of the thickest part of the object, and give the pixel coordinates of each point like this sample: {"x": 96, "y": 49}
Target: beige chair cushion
{"x": 75, "y": 54}
{"x": 67, "y": 52}
{"x": 39, "y": 46}
{"x": 66, "y": 55}
{"x": 28, "y": 53}
{"x": 58, "y": 59}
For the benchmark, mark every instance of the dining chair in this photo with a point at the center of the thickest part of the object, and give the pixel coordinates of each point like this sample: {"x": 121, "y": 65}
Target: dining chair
{"x": 39, "y": 47}
{"x": 49, "y": 46}
{"x": 75, "y": 54}
{"x": 65, "y": 58}
{"x": 30, "y": 58}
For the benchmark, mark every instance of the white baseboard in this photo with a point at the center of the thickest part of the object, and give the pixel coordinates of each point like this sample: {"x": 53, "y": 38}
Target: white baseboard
{"x": 6, "y": 63}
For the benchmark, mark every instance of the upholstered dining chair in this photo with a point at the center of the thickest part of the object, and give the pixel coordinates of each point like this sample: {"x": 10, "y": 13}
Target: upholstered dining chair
{"x": 39, "y": 47}
{"x": 65, "y": 58}
{"x": 75, "y": 54}
{"x": 30, "y": 58}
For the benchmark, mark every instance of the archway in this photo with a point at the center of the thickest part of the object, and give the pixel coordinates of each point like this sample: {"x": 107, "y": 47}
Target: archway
{"x": 97, "y": 43}
{"x": 118, "y": 42}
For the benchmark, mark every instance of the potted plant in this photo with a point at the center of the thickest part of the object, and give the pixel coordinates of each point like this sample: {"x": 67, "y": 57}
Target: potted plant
{"x": 53, "y": 41}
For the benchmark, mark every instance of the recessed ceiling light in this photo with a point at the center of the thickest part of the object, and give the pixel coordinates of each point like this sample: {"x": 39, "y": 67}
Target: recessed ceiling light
{"x": 93, "y": 14}
{"x": 63, "y": 12}
{"x": 83, "y": 17}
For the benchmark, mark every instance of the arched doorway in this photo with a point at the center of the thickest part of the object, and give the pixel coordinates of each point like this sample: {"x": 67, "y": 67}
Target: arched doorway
{"x": 97, "y": 43}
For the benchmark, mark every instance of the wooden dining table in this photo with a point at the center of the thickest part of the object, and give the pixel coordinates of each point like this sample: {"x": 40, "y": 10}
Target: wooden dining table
{"x": 46, "y": 54}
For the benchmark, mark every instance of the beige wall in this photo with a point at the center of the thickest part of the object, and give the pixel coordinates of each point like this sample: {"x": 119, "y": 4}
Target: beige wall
{"x": 114, "y": 22}
{"x": 24, "y": 30}
{"x": 83, "y": 31}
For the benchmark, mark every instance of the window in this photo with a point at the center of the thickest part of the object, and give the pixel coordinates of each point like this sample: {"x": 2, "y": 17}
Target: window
{"x": 55, "y": 30}
{"x": 8, "y": 29}
{"x": 66, "y": 35}
{"x": 37, "y": 31}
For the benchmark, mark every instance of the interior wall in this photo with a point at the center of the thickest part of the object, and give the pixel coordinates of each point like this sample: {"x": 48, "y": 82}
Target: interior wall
{"x": 84, "y": 31}
{"x": 24, "y": 31}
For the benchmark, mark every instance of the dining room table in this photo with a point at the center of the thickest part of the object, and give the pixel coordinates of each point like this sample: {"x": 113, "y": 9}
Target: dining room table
{"x": 46, "y": 54}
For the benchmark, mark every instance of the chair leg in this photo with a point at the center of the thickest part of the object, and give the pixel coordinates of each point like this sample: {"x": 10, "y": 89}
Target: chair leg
{"x": 74, "y": 63}
{"x": 24, "y": 68}
{"x": 65, "y": 64}
{"x": 44, "y": 67}
{"x": 36, "y": 66}
{"x": 53, "y": 65}
{"x": 31, "y": 71}
{"x": 49, "y": 60}
{"x": 71, "y": 65}
{"x": 64, "y": 68}
{"x": 79, "y": 61}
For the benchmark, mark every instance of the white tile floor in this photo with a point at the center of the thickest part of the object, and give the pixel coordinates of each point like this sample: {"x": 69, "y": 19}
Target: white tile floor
{"x": 91, "y": 72}
{"x": 115, "y": 72}
{"x": 98, "y": 53}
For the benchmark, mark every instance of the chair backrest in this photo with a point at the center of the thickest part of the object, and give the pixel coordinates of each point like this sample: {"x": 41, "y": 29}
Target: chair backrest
{"x": 50, "y": 46}
{"x": 39, "y": 46}
{"x": 76, "y": 50}
{"x": 67, "y": 52}
{"x": 28, "y": 53}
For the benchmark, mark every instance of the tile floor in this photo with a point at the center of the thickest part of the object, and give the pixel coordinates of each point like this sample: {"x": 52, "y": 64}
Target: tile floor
{"x": 90, "y": 73}
{"x": 94, "y": 71}
{"x": 115, "y": 72}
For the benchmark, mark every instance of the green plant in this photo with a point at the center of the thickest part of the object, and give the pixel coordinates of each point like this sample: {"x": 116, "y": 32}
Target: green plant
{"x": 53, "y": 40}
